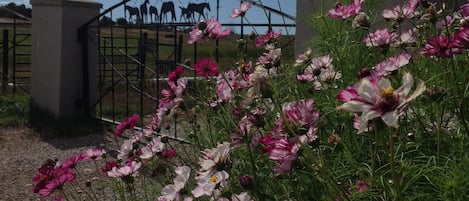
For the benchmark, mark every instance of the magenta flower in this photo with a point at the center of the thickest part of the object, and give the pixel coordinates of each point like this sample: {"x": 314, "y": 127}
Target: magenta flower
{"x": 244, "y": 7}
{"x": 168, "y": 153}
{"x": 379, "y": 99}
{"x": 128, "y": 123}
{"x": 282, "y": 151}
{"x": 207, "y": 29}
{"x": 206, "y": 67}
{"x": 60, "y": 177}
{"x": 464, "y": 9}
{"x": 399, "y": 13}
{"x": 340, "y": 12}
{"x": 268, "y": 37}
{"x": 176, "y": 74}
{"x": 380, "y": 38}
{"x": 461, "y": 40}
{"x": 74, "y": 160}
{"x": 438, "y": 46}
{"x": 228, "y": 83}
{"x": 44, "y": 175}
{"x": 108, "y": 166}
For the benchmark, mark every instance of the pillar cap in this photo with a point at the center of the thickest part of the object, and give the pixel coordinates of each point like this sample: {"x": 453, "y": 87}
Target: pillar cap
{"x": 80, "y": 3}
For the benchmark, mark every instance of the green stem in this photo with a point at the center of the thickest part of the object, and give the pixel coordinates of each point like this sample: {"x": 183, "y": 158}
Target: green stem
{"x": 395, "y": 180}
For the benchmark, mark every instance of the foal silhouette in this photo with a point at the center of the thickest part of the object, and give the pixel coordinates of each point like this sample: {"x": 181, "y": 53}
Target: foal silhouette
{"x": 165, "y": 8}
{"x": 198, "y": 8}
{"x": 144, "y": 11}
{"x": 133, "y": 11}
{"x": 153, "y": 12}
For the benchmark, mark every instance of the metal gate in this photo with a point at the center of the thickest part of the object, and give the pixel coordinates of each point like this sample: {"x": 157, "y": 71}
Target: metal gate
{"x": 136, "y": 52}
{"x": 15, "y": 52}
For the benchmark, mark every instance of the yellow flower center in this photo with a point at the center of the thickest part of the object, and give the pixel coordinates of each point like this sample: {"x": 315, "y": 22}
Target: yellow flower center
{"x": 389, "y": 92}
{"x": 213, "y": 179}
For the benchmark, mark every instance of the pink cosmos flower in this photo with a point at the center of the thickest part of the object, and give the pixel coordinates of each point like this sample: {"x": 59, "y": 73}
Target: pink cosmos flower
{"x": 380, "y": 38}
{"x": 340, "y": 12}
{"x": 44, "y": 174}
{"x": 379, "y": 99}
{"x": 176, "y": 74}
{"x": 438, "y": 46}
{"x": 445, "y": 23}
{"x": 268, "y": 37}
{"x": 168, "y": 153}
{"x": 207, "y": 29}
{"x": 171, "y": 192}
{"x": 228, "y": 83}
{"x": 173, "y": 94}
{"x": 206, "y": 187}
{"x": 399, "y": 13}
{"x": 461, "y": 40}
{"x": 282, "y": 151}
{"x": 406, "y": 37}
{"x": 391, "y": 64}
{"x": 271, "y": 58}
{"x": 95, "y": 154}
{"x": 74, "y": 160}
{"x": 214, "y": 160}
{"x": 321, "y": 71}
{"x": 127, "y": 170}
{"x": 60, "y": 177}
{"x": 244, "y": 7}
{"x": 108, "y": 166}
{"x": 128, "y": 123}
{"x": 464, "y": 9}
{"x": 296, "y": 128}
{"x": 206, "y": 67}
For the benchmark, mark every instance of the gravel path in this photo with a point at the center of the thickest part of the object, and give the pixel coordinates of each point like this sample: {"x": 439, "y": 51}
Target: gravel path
{"x": 23, "y": 150}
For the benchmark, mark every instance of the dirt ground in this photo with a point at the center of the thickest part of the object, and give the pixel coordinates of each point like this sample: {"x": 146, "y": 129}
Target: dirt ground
{"x": 23, "y": 150}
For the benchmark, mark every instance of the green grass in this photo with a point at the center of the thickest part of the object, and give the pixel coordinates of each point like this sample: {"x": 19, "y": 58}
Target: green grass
{"x": 14, "y": 110}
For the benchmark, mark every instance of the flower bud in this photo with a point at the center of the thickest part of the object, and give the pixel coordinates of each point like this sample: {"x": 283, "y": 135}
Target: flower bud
{"x": 246, "y": 181}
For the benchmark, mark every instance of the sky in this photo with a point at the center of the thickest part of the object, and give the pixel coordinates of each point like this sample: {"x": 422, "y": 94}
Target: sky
{"x": 254, "y": 15}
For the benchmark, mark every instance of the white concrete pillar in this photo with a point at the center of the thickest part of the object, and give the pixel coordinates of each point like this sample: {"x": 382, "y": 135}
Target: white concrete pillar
{"x": 57, "y": 67}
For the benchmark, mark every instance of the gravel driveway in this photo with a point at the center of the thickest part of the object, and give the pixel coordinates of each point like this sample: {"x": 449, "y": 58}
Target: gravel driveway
{"x": 23, "y": 150}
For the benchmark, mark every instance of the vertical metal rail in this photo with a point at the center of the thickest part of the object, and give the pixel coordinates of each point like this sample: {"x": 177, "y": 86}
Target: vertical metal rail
{"x": 112, "y": 74}
{"x": 141, "y": 72}
{"x": 157, "y": 61}
{"x": 5, "y": 60}
{"x": 14, "y": 55}
{"x": 126, "y": 62}
{"x": 101, "y": 71}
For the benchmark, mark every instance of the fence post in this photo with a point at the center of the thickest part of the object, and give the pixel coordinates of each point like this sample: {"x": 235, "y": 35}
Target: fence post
{"x": 5, "y": 60}
{"x": 57, "y": 73}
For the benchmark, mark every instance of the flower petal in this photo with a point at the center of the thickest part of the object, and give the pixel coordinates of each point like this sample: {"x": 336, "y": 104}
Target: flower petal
{"x": 365, "y": 117}
{"x": 391, "y": 118}
{"x": 354, "y": 106}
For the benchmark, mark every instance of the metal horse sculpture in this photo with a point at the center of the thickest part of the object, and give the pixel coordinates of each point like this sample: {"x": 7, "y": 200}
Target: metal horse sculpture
{"x": 153, "y": 12}
{"x": 165, "y": 8}
{"x": 144, "y": 11}
{"x": 133, "y": 11}
{"x": 198, "y": 8}
{"x": 186, "y": 14}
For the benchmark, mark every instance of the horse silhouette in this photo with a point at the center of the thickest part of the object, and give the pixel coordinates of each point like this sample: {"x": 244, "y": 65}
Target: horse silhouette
{"x": 198, "y": 8}
{"x": 165, "y": 8}
{"x": 144, "y": 11}
{"x": 187, "y": 14}
{"x": 133, "y": 11}
{"x": 153, "y": 11}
